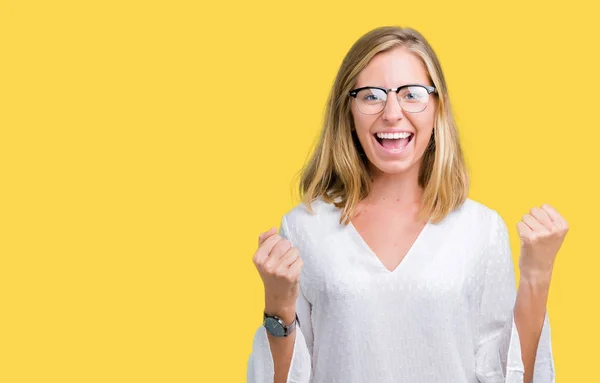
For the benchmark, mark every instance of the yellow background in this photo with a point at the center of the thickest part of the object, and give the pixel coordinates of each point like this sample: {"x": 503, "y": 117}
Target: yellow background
{"x": 146, "y": 144}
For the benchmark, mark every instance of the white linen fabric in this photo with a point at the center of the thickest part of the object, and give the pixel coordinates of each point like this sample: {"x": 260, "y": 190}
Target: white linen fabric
{"x": 445, "y": 314}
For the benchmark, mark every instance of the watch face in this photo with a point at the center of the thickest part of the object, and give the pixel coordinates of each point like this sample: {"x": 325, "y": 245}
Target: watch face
{"x": 274, "y": 327}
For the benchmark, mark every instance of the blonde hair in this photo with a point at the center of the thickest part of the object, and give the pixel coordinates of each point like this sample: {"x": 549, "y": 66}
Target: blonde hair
{"x": 337, "y": 171}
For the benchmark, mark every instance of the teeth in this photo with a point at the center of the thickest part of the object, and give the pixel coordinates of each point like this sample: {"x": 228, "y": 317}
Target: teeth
{"x": 393, "y": 136}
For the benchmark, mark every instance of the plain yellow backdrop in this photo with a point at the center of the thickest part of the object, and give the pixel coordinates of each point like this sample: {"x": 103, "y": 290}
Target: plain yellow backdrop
{"x": 146, "y": 144}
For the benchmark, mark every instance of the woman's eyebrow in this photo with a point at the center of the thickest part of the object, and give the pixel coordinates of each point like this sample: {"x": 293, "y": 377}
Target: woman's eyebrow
{"x": 395, "y": 87}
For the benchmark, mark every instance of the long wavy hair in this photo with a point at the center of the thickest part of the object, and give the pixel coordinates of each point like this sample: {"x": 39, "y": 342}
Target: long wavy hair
{"x": 337, "y": 170}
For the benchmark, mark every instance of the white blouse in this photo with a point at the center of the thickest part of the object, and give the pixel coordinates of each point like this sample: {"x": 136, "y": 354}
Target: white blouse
{"x": 445, "y": 314}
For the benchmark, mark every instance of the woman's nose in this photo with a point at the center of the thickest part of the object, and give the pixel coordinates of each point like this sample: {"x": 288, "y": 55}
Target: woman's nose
{"x": 392, "y": 110}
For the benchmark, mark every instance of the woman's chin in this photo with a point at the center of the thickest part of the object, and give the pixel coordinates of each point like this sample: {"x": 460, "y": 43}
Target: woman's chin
{"x": 396, "y": 168}
{"x": 393, "y": 166}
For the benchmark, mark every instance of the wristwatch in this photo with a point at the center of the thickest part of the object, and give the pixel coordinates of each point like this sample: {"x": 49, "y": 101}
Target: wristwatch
{"x": 276, "y": 327}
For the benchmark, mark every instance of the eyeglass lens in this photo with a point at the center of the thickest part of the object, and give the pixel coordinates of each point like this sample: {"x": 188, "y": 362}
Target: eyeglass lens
{"x": 412, "y": 99}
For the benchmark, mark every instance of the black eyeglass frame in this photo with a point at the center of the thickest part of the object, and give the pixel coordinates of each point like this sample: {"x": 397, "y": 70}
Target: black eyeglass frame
{"x": 428, "y": 88}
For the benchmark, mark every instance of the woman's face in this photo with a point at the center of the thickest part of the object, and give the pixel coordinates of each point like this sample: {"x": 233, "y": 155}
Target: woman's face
{"x": 392, "y": 69}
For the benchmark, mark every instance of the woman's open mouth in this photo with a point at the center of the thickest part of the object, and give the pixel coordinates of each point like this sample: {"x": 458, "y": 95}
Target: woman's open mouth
{"x": 394, "y": 142}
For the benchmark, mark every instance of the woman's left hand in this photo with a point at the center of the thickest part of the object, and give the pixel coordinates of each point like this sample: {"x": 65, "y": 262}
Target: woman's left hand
{"x": 542, "y": 233}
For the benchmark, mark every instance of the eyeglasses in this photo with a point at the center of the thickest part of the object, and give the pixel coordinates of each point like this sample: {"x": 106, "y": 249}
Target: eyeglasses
{"x": 413, "y": 98}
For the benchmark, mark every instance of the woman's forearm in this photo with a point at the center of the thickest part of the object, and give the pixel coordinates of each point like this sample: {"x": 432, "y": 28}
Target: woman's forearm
{"x": 530, "y": 310}
{"x": 282, "y": 348}
{"x": 541, "y": 233}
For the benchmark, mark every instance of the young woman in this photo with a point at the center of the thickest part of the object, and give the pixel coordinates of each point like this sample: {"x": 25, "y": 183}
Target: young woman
{"x": 388, "y": 272}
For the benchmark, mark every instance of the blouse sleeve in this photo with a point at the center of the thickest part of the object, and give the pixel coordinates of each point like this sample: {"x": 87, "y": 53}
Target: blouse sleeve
{"x": 260, "y": 363}
{"x": 498, "y": 348}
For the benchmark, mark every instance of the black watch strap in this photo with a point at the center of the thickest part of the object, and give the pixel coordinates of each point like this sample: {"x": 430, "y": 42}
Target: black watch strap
{"x": 277, "y": 327}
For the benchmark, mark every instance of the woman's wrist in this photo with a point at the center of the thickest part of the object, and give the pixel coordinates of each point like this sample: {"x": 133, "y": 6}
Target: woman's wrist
{"x": 286, "y": 313}
{"x": 536, "y": 279}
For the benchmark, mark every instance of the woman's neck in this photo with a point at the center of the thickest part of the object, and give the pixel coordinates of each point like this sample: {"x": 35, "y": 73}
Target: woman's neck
{"x": 400, "y": 190}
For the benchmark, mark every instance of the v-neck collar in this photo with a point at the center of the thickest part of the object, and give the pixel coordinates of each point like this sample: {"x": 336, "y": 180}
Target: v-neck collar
{"x": 359, "y": 240}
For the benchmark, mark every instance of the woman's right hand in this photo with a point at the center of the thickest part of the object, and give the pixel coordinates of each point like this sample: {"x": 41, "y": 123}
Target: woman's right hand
{"x": 279, "y": 265}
